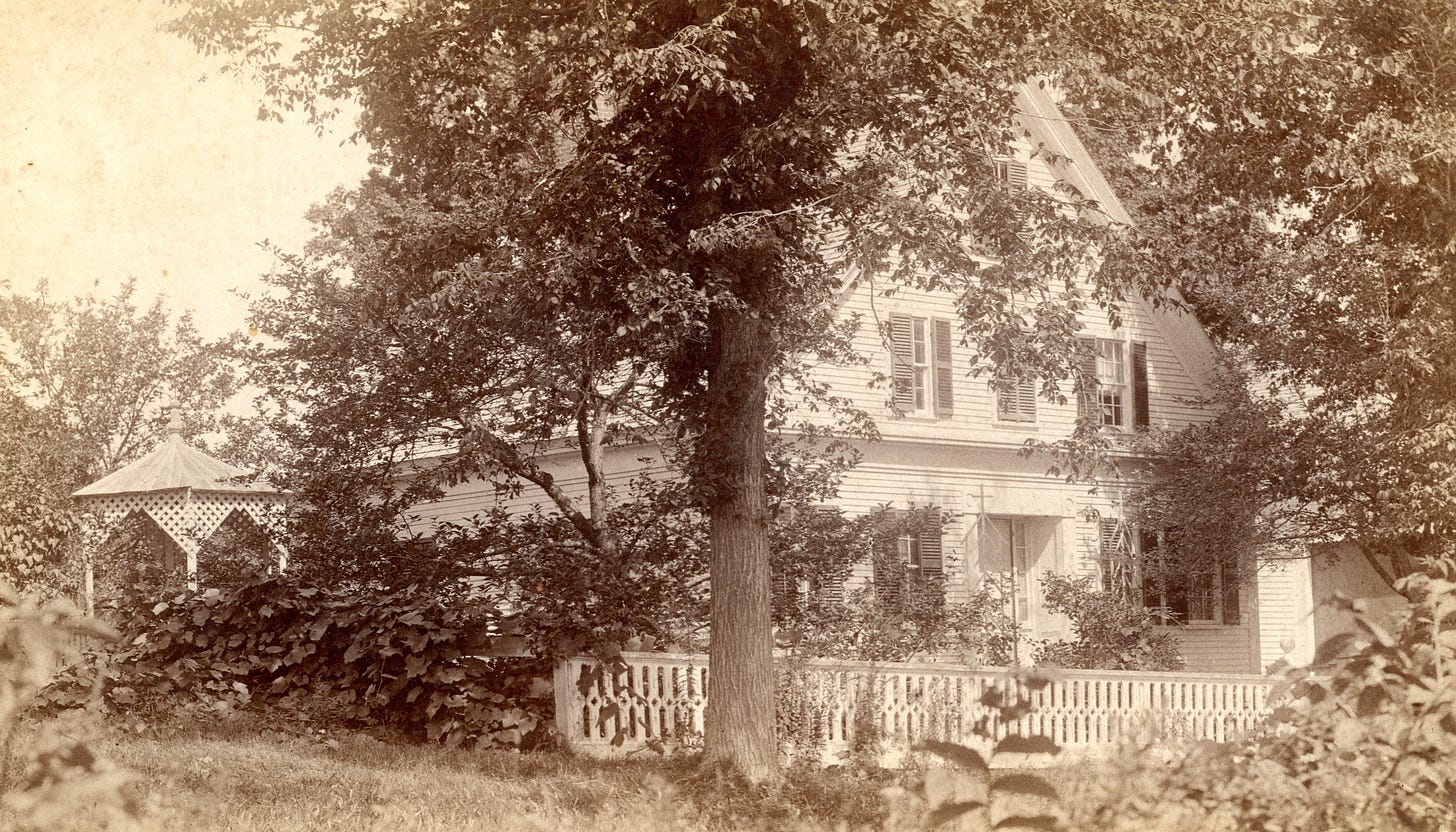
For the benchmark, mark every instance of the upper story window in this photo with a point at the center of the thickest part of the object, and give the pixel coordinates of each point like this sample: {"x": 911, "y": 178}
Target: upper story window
{"x": 1018, "y": 403}
{"x": 921, "y": 366}
{"x": 1113, "y": 383}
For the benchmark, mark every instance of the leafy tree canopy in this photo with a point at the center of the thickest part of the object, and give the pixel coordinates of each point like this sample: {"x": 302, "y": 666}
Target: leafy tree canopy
{"x": 83, "y": 390}
{"x": 105, "y": 371}
{"x": 592, "y": 218}
{"x": 1297, "y": 171}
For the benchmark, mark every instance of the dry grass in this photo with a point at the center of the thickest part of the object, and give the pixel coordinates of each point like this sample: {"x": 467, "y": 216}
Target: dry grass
{"x": 264, "y": 780}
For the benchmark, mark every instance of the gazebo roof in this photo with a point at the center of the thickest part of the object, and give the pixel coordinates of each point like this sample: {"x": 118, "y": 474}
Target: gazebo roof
{"x": 172, "y": 466}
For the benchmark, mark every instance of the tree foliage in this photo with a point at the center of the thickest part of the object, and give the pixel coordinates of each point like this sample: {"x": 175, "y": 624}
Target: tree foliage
{"x": 1110, "y": 632}
{"x": 581, "y": 202}
{"x": 83, "y": 390}
{"x": 39, "y": 466}
{"x": 1297, "y": 175}
{"x": 57, "y": 773}
{"x": 1363, "y": 739}
{"x": 104, "y": 369}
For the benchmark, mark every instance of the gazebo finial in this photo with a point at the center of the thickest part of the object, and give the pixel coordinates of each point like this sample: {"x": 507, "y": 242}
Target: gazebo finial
{"x": 174, "y": 420}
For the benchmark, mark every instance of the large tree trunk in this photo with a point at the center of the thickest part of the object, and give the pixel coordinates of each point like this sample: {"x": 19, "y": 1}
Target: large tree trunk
{"x": 739, "y": 723}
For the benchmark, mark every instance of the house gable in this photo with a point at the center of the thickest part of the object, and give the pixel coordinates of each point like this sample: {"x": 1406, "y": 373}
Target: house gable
{"x": 1049, "y": 129}
{"x": 1175, "y": 351}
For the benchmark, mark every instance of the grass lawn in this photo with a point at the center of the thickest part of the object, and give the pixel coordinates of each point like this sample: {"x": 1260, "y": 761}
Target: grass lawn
{"x": 226, "y": 780}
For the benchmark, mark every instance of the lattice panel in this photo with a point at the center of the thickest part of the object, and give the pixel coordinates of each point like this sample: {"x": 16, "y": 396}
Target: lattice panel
{"x": 190, "y": 518}
{"x": 209, "y": 510}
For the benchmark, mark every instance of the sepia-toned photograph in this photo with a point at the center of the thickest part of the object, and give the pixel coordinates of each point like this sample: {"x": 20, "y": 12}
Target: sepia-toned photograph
{"x": 728, "y": 415}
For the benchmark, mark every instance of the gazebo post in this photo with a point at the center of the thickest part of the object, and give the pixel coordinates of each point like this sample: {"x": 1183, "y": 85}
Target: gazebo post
{"x": 191, "y": 568}
{"x": 89, "y": 580}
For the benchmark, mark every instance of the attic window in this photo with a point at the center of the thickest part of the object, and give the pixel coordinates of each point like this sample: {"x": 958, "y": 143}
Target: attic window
{"x": 1012, "y": 173}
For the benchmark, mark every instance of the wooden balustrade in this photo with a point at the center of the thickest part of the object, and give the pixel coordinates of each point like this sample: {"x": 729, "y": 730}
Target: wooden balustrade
{"x": 836, "y": 706}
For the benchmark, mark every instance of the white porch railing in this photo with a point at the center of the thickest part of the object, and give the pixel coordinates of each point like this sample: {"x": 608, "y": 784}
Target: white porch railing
{"x": 837, "y": 705}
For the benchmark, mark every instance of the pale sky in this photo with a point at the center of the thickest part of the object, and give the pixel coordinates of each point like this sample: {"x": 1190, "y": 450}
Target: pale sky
{"x": 125, "y": 153}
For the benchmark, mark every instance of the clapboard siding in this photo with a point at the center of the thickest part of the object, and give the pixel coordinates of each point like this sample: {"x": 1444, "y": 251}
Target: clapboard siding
{"x": 1173, "y": 393}
{"x": 967, "y": 462}
{"x": 464, "y": 501}
{"x": 1286, "y": 610}
{"x": 1215, "y": 649}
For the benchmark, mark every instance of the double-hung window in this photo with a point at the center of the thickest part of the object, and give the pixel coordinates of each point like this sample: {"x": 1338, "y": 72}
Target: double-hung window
{"x": 797, "y": 582}
{"x": 1112, "y": 383}
{"x": 921, "y": 366}
{"x": 911, "y": 553}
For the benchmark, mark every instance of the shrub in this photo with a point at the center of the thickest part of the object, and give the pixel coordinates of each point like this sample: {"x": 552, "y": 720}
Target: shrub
{"x": 57, "y": 772}
{"x": 1364, "y": 739}
{"x": 1111, "y": 634}
{"x": 406, "y": 659}
{"x": 916, "y": 621}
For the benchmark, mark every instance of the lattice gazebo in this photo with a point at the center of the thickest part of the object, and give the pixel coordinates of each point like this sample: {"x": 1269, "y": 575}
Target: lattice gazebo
{"x": 186, "y": 493}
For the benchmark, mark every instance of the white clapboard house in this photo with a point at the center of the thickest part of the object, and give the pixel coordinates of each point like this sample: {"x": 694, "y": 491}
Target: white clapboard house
{"x": 950, "y": 441}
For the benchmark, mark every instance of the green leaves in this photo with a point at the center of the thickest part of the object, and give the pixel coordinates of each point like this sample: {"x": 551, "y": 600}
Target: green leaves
{"x": 335, "y": 650}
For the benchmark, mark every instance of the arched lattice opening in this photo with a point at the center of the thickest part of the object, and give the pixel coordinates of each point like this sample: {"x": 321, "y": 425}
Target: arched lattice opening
{"x": 240, "y": 549}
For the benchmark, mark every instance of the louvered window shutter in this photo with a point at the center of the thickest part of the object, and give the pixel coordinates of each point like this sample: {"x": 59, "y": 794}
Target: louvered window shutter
{"x": 1012, "y": 173}
{"x": 830, "y": 593}
{"x": 1140, "y": 414}
{"x": 889, "y": 569}
{"x": 944, "y": 374}
{"x": 932, "y": 560}
{"x": 1087, "y": 404}
{"x": 828, "y": 590}
{"x": 784, "y": 589}
{"x": 1154, "y": 578}
{"x": 1113, "y": 552}
{"x": 902, "y": 358}
{"x": 1016, "y": 175}
{"x": 1229, "y": 578}
{"x": 1018, "y": 404}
